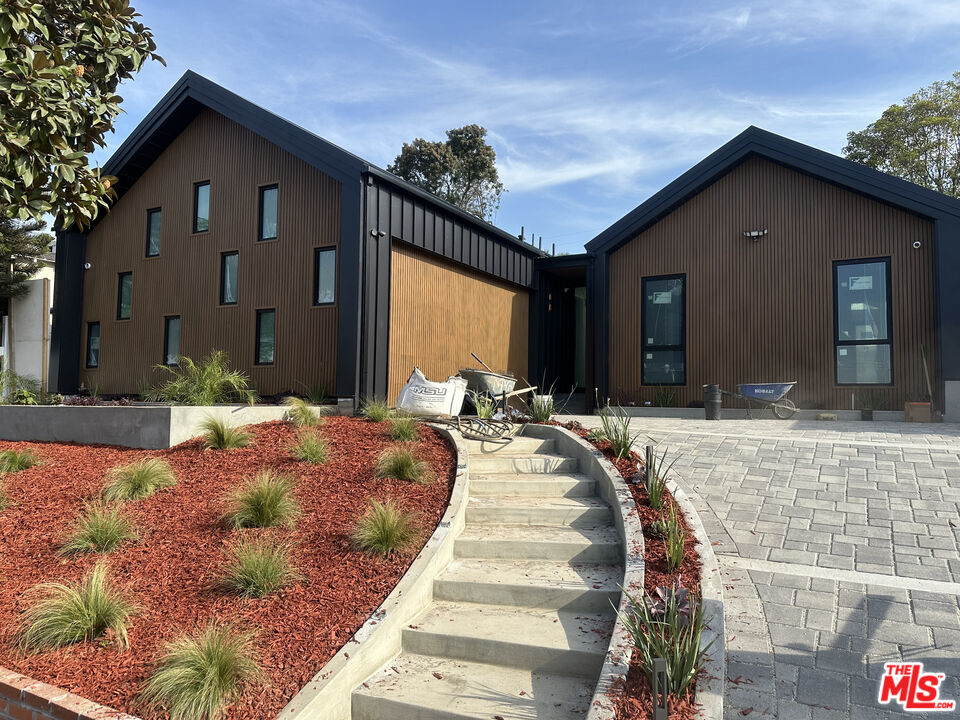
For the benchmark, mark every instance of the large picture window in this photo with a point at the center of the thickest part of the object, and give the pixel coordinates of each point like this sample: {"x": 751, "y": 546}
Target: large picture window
{"x": 124, "y": 295}
{"x": 93, "y": 345}
{"x": 664, "y": 347}
{"x": 268, "y": 212}
{"x": 862, "y": 318}
{"x": 171, "y": 340}
{"x": 153, "y": 232}
{"x": 324, "y": 276}
{"x": 266, "y": 336}
{"x": 229, "y": 264}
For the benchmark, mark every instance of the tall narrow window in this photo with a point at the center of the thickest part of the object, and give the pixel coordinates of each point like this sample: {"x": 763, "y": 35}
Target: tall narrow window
{"x": 93, "y": 345}
{"x": 153, "y": 232}
{"x": 171, "y": 340}
{"x": 863, "y": 322}
{"x": 124, "y": 295}
{"x": 324, "y": 276}
{"x": 201, "y": 207}
{"x": 229, "y": 262}
{"x": 664, "y": 330}
{"x": 266, "y": 336}
{"x": 268, "y": 212}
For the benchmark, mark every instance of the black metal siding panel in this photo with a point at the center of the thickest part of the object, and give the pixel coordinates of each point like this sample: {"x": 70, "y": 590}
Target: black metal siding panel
{"x": 66, "y": 335}
{"x": 418, "y": 227}
{"x": 947, "y": 283}
{"x": 396, "y": 215}
{"x": 408, "y": 221}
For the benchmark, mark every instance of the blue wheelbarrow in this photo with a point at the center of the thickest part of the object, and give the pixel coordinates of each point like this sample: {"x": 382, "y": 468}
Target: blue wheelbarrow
{"x": 770, "y": 395}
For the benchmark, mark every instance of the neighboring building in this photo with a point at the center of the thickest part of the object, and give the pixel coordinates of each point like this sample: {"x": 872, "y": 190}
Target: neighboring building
{"x": 25, "y": 336}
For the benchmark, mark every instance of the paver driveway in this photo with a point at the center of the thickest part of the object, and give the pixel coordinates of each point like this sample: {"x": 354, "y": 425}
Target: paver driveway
{"x": 838, "y": 544}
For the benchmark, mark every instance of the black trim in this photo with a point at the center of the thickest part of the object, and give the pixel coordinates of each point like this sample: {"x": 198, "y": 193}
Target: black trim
{"x": 196, "y": 204}
{"x": 66, "y": 336}
{"x": 120, "y": 278}
{"x": 260, "y": 191}
{"x": 150, "y": 214}
{"x": 645, "y": 346}
{"x": 223, "y": 267}
{"x": 86, "y": 352}
{"x": 256, "y": 343}
{"x": 166, "y": 339}
{"x": 838, "y": 343}
{"x": 317, "y": 252}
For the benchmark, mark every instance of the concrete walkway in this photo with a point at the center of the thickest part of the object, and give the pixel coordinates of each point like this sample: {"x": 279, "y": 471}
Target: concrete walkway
{"x": 838, "y": 545}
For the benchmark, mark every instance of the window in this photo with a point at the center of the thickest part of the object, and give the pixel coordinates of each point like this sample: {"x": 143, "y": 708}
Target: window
{"x": 266, "y": 336}
{"x": 664, "y": 330}
{"x": 153, "y": 232}
{"x": 201, "y": 207}
{"x": 229, "y": 262}
{"x": 171, "y": 340}
{"x": 863, "y": 322}
{"x": 324, "y": 276}
{"x": 268, "y": 212}
{"x": 93, "y": 345}
{"x": 124, "y": 295}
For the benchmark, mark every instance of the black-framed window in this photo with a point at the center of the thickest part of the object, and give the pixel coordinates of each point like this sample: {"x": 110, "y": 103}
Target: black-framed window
{"x": 664, "y": 347}
{"x": 93, "y": 345}
{"x": 269, "y": 208}
{"x": 154, "y": 217}
{"x": 201, "y": 207}
{"x": 229, "y": 274}
{"x": 863, "y": 322}
{"x": 171, "y": 339}
{"x": 124, "y": 295}
{"x": 266, "y": 336}
{"x": 324, "y": 275}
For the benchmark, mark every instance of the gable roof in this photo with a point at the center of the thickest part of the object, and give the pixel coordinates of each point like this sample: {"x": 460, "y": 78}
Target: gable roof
{"x": 755, "y": 141}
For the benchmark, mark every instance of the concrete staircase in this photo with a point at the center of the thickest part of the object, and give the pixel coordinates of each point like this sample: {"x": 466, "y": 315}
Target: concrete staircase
{"x": 521, "y": 619}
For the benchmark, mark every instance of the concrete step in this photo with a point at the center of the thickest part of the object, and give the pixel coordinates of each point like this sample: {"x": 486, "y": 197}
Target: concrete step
{"x": 573, "y": 587}
{"x": 538, "y": 511}
{"x": 561, "y": 642}
{"x": 528, "y": 463}
{"x": 514, "y": 446}
{"x": 526, "y": 485}
{"x": 599, "y": 544}
{"x": 415, "y": 687}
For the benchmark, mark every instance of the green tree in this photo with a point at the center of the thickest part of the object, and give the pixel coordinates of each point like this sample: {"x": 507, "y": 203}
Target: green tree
{"x": 918, "y": 139}
{"x": 22, "y": 246}
{"x": 60, "y": 64}
{"x": 462, "y": 170}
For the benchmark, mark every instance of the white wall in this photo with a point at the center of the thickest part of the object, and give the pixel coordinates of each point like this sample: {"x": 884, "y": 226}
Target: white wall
{"x": 28, "y": 327}
{"x": 951, "y": 410}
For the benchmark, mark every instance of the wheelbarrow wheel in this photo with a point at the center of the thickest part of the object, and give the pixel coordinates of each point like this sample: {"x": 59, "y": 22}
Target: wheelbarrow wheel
{"x": 784, "y": 409}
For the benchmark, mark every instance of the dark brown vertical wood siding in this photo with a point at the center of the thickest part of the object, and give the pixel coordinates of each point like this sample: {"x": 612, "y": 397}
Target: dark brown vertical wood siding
{"x": 763, "y": 311}
{"x": 440, "y": 313}
{"x": 185, "y": 279}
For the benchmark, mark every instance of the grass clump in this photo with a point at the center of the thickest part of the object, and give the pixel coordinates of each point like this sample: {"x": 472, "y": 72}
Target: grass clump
{"x": 310, "y": 447}
{"x": 385, "y": 529}
{"x": 300, "y": 413}
{"x": 208, "y": 382}
{"x": 616, "y": 430}
{"x": 375, "y": 409}
{"x": 266, "y": 500}
{"x": 404, "y": 429}
{"x": 100, "y": 529}
{"x": 484, "y": 404}
{"x": 674, "y": 539}
{"x": 12, "y": 461}
{"x": 316, "y": 392}
{"x": 257, "y": 567}
{"x": 138, "y": 480}
{"x": 656, "y": 473}
{"x": 73, "y": 613}
{"x": 220, "y": 435}
{"x": 197, "y": 677}
{"x": 401, "y": 463}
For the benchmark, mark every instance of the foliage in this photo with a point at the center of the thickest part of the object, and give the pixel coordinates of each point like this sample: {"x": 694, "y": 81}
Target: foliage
{"x": 674, "y": 539}
{"x": 220, "y": 435}
{"x": 404, "y": 429}
{"x": 140, "y": 479}
{"x": 310, "y": 447}
{"x": 197, "y": 677}
{"x": 208, "y": 382}
{"x": 664, "y": 595}
{"x": 69, "y": 614}
{"x": 656, "y": 473}
{"x": 541, "y": 408}
{"x": 316, "y": 392}
{"x": 60, "y": 66}
{"x": 256, "y": 567}
{"x": 401, "y": 463}
{"x": 300, "y": 413}
{"x": 385, "y": 529}
{"x": 664, "y": 396}
{"x": 12, "y": 383}
{"x": 266, "y": 500}
{"x": 22, "y": 247}
{"x": 375, "y": 409}
{"x": 616, "y": 429}
{"x": 484, "y": 404}
{"x": 14, "y": 461}
{"x": 596, "y": 435}
{"x": 461, "y": 170}
{"x": 100, "y": 529}
{"x": 918, "y": 139}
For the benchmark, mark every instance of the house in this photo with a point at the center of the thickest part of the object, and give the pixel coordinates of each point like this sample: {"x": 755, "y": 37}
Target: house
{"x": 25, "y": 327}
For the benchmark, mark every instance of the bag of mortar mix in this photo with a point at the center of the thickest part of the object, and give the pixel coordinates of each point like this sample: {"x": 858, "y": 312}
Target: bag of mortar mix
{"x": 422, "y": 397}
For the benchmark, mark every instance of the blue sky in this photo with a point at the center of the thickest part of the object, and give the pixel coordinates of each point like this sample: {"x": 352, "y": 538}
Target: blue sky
{"x": 591, "y": 107}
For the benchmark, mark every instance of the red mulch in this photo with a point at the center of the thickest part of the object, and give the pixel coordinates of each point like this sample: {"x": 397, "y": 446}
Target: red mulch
{"x": 168, "y": 572}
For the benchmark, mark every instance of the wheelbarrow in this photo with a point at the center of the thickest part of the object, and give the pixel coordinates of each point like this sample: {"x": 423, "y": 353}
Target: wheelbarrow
{"x": 770, "y": 395}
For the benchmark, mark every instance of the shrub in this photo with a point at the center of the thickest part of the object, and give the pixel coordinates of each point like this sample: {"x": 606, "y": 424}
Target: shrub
{"x": 664, "y": 396}
{"x": 257, "y": 567}
{"x": 674, "y": 539}
{"x": 384, "y": 529}
{"x": 72, "y": 613}
{"x": 12, "y": 383}
{"x": 208, "y": 382}
{"x": 220, "y": 435}
{"x": 100, "y": 529}
{"x": 300, "y": 413}
{"x": 197, "y": 677}
{"x": 310, "y": 447}
{"x": 375, "y": 409}
{"x": 138, "y": 480}
{"x": 542, "y": 408}
{"x": 656, "y": 473}
{"x": 402, "y": 464}
{"x": 596, "y": 435}
{"x": 12, "y": 461}
{"x": 316, "y": 392}
{"x": 616, "y": 429}
{"x": 484, "y": 404}
{"x": 266, "y": 500}
{"x": 404, "y": 429}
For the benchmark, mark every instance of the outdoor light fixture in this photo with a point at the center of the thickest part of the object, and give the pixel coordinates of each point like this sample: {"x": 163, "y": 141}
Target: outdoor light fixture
{"x": 755, "y": 234}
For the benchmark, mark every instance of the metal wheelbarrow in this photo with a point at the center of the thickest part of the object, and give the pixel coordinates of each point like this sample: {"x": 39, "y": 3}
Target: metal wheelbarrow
{"x": 770, "y": 395}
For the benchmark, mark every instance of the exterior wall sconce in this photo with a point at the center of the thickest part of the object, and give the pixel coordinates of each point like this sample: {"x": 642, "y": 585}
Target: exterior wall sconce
{"x": 755, "y": 235}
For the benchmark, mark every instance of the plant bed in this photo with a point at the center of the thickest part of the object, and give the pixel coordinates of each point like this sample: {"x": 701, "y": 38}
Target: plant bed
{"x": 172, "y": 570}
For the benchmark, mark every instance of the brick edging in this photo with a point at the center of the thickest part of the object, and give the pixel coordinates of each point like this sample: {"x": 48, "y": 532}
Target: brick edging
{"x": 23, "y": 698}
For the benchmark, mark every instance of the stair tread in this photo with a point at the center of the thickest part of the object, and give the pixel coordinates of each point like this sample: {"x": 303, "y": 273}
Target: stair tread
{"x": 537, "y": 501}
{"x": 599, "y": 534}
{"x": 560, "y": 575}
{"x": 534, "y": 477}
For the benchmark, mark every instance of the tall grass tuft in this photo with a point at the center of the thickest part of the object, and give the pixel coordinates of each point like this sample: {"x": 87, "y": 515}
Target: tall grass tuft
{"x": 208, "y": 382}
{"x": 674, "y": 539}
{"x": 300, "y": 413}
{"x": 484, "y": 404}
{"x": 656, "y": 473}
{"x": 138, "y": 480}
{"x": 73, "y": 613}
{"x": 310, "y": 447}
{"x": 265, "y": 500}
{"x": 198, "y": 677}
{"x": 385, "y": 529}
{"x": 616, "y": 429}
{"x": 401, "y": 463}
{"x": 316, "y": 392}
{"x": 14, "y": 461}
{"x": 220, "y": 435}
{"x": 375, "y": 409}
{"x": 100, "y": 529}
{"x": 256, "y": 567}
{"x": 404, "y": 429}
